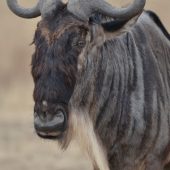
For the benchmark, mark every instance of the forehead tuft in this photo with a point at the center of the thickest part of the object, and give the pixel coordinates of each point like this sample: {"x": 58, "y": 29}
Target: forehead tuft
{"x": 62, "y": 18}
{"x": 52, "y": 28}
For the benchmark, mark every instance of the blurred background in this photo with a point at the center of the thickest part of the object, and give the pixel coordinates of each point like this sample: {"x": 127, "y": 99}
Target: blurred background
{"x": 20, "y": 148}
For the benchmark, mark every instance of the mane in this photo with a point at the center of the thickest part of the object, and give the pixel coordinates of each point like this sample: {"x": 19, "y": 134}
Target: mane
{"x": 158, "y": 22}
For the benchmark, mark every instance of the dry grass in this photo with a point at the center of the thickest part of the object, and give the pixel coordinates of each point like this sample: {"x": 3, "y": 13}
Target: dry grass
{"x": 19, "y": 147}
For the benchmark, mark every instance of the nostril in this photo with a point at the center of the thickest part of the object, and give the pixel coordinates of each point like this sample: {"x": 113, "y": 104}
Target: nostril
{"x": 60, "y": 115}
{"x": 43, "y": 116}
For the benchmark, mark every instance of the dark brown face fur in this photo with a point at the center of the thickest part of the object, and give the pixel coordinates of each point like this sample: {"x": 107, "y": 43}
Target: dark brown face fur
{"x": 58, "y": 40}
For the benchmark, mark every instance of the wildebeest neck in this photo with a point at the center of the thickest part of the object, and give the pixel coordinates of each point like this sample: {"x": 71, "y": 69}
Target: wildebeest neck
{"x": 103, "y": 88}
{"x": 120, "y": 86}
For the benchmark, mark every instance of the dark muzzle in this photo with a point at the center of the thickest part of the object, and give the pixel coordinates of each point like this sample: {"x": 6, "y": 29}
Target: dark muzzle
{"x": 50, "y": 126}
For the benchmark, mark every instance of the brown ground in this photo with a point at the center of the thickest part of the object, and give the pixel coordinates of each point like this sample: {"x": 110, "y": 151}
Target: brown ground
{"x": 20, "y": 148}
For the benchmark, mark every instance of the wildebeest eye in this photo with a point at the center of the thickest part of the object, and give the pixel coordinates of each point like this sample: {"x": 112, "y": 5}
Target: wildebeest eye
{"x": 76, "y": 43}
{"x": 81, "y": 43}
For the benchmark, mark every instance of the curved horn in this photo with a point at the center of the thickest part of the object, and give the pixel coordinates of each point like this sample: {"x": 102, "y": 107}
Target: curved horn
{"x": 85, "y": 8}
{"x": 43, "y": 8}
{"x": 23, "y": 12}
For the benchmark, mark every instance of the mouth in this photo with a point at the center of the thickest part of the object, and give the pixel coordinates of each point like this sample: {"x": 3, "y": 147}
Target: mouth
{"x": 51, "y": 129}
{"x": 51, "y": 136}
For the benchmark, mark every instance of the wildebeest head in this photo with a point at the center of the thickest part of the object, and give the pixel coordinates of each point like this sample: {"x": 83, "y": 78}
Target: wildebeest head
{"x": 61, "y": 36}
{"x": 59, "y": 41}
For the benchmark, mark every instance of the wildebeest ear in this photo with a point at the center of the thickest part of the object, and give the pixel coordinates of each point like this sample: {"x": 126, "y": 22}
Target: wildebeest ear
{"x": 113, "y": 25}
{"x": 118, "y": 26}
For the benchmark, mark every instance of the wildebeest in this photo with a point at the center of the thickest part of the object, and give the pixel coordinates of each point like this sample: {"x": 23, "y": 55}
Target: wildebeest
{"x": 102, "y": 76}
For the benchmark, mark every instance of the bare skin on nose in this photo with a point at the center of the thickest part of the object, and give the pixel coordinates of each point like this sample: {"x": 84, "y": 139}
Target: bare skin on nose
{"x": 44, "y": 106}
